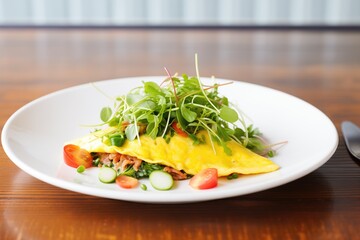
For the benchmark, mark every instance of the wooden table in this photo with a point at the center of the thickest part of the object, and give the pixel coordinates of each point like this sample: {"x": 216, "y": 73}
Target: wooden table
{"x": 321, "y": 67}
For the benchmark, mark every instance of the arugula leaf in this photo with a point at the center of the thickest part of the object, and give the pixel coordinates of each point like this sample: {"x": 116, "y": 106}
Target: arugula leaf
{"x": 181, "y": 120}
{"x": 227, "y": 150}
{"x": 188, "y": 115}
{"x": 152, "y": 129}
{"x": 152, "y": 88}
{"x": 147, "y": 105}
{"x": 223, "y": 134}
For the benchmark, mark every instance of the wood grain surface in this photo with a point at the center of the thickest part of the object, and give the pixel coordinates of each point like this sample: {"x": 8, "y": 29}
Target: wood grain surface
{"x": 321, "y": 67}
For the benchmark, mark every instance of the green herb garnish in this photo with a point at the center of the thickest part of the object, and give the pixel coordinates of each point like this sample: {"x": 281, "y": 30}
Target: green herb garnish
{"x": 233, "y": 176}
{"x": 144, "y": 170}
{"x": 143, "y": 187}
{"x": 271, "y": 153}
{"x": 152, "y": 109}
{"x": 80, "y": 169}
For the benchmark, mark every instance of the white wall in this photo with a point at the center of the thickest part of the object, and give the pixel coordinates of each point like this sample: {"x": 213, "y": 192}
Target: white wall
{"x": 180, "y": 12}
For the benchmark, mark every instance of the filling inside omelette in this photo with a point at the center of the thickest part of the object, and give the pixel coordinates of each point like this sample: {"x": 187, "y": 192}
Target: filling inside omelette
{"x": 179, "y": 156}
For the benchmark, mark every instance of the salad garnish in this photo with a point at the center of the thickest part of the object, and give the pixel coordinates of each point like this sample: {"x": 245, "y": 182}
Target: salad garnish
{"x": 180, "y": 104}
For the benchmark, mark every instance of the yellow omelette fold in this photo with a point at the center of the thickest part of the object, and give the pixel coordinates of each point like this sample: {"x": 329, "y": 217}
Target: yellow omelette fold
{"x": 182, "y": 154}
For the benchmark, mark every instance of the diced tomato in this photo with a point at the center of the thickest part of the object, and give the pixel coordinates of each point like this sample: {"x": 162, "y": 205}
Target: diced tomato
{"x": 205, "y": 179}
{"x": 178, "y": 130}
{"x": 74, "y": 156}
{"x": 126, "y": 181}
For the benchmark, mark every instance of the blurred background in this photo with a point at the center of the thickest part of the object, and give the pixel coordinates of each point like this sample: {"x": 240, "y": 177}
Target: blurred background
{"x": 179, "y": 13}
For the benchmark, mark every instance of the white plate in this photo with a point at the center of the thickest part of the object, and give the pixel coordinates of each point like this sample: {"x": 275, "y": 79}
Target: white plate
{"x": 33, "y": 138}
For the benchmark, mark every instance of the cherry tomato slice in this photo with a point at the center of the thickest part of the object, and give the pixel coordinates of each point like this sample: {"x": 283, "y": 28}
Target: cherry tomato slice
{"x": 126, "y": 181}
{"x": 178, "y": 130}
{"x": 205, "y": 179}
{"x": 74, "y": 156}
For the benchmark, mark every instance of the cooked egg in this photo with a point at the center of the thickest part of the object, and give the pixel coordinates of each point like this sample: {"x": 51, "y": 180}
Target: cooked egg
{"x": 182, "y": 154}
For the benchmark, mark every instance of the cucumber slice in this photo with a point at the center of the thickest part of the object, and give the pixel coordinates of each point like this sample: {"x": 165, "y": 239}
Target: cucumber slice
{"x": 107, "y": 175}
{"x": 161, "y": 180}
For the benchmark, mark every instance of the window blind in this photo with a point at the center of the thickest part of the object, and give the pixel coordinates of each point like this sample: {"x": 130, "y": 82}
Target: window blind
{"x": 180, "y": 12}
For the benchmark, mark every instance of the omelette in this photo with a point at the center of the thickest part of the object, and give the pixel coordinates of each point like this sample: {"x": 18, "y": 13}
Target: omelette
{"x": 180, "y": 156}
{"x": 179, "y": 127}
